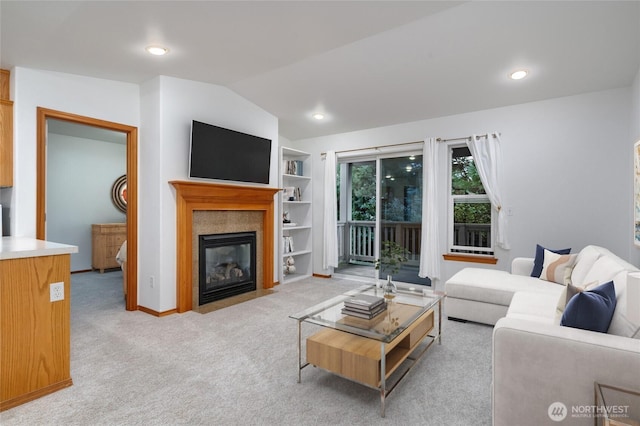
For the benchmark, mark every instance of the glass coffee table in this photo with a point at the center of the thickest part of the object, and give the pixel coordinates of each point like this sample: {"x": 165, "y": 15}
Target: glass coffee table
{"x": 370, "y": 351}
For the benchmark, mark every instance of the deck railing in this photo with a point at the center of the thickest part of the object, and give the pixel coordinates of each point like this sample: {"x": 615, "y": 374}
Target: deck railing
{"x": 356, "y": 239}
{"x": 471, "y": 235}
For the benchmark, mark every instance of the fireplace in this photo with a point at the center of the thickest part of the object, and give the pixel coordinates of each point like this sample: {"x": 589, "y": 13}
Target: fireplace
{"x": 242, "y": 203}
{"x": 227, "y": 265}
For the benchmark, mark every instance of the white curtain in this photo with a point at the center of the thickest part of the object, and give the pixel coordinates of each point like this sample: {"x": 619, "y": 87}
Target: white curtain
{"x": 430, "y": 256}
{"x": 488, "y": 158}
{"x": 330, "y": 210}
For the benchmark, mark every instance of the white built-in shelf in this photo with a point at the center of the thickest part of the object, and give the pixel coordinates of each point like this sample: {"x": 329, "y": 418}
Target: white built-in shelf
{"x": 293, "y": 228}
{"x": 300, "y": 213}
{"x": 296, "y": 177}
{"x": 296, "y": 253}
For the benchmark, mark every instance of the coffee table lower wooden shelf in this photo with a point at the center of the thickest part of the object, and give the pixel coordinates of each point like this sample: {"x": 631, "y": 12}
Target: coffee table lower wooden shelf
{"x": 364, "y": 360}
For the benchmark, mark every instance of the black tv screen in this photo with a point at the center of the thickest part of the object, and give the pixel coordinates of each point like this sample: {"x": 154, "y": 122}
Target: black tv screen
{"x": 219, "y": 153}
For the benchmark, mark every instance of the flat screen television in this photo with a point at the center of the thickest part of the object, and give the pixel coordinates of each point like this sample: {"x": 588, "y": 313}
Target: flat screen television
{"x": 219, "y": 153}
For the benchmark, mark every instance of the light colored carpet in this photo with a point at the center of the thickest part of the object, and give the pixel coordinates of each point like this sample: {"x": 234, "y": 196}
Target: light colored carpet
{"x": 238, "y": 366}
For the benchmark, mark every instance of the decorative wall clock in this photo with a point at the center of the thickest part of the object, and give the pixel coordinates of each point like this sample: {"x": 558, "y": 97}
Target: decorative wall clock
{"x": 119, "y": 193}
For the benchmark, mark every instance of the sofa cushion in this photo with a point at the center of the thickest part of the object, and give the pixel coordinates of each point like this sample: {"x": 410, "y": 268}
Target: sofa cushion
{"x": 538, "y": 261}
{"x": 586, "y": 258}
{"x": 494, "y": 286}
{"x": 557, "y": 267}
{"x": 591, "y": 309}
{"x": 538, "y": 307}
{"x": 604, "y": 269}
{"x": 621, "y": 324}
{"x": 570, "y": 291}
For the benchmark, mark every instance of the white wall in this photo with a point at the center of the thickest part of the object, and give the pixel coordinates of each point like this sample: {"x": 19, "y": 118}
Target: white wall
{"x": 634, "y": 251}
{"x": 567, "y": 172}
{"x": 91, "y": 97}
{"x": 80, "y": 174}
{"x": 162, "y": 109}
{"x": 170, "y": 104}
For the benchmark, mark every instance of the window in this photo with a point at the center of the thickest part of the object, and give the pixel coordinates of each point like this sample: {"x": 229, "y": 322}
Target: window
{"x": 380, "y": 201}
{"x": 470, "y": 213}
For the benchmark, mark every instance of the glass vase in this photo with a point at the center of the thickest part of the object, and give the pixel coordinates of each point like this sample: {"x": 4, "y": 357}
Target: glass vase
{"x": 389, "y": 288}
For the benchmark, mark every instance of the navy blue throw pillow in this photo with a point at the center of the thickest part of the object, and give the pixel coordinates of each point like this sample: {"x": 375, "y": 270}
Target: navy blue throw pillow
{"x": 538, "y": 262}
{"x": 591, "y": 309}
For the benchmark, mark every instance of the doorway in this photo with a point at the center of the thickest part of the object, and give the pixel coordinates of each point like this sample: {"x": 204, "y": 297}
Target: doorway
{"x": 379, "y": 203}
{"x": 43, "y": 115}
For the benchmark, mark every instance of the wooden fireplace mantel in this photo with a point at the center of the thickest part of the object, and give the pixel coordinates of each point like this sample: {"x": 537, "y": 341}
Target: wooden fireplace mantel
{"x": 192, "y": 196}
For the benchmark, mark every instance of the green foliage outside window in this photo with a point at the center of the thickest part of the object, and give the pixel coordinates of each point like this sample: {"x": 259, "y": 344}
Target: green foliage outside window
{"x": 472, "y": 213}
{"x": 363, "y": 182}
{"x": 464, "y": 175}
{"x": 466, "y": 181}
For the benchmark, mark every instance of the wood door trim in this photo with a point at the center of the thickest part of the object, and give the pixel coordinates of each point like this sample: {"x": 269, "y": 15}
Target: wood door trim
{"x": 132, "y": 186}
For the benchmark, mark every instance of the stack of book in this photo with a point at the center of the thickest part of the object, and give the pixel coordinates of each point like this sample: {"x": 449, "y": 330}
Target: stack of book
{"x": 287, "y": 242}
{"x": 364, "y": 306}
{"x": 292, "y": 167}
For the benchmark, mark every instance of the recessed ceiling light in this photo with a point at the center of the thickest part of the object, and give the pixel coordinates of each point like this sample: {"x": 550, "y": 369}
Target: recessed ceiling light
{"x": 157, "y": 50}
{"x": 518, "y": 75}
{"x": 318, "y": 116}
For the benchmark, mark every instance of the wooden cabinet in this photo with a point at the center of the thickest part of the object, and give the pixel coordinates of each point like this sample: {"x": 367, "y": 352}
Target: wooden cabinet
{"x": 34, "y": 331}
{"x": 6, "y": 132}
{"x": 296, "y": 208}
{"x": 106, "y": 240}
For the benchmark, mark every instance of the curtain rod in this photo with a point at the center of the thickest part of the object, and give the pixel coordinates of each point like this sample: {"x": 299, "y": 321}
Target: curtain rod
{"x": 373, "y": 147}
{"x": 486, "y": 135}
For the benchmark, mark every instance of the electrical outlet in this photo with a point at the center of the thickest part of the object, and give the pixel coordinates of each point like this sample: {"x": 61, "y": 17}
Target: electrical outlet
{"x": 152, "y": 281}
{"x": 56, "y": 291}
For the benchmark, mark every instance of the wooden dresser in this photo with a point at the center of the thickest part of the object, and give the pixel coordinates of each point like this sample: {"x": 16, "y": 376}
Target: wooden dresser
{"x": 106, "y": 239}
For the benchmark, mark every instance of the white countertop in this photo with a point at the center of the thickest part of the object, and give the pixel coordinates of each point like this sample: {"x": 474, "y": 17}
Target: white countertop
{"x": 19, "y": 247}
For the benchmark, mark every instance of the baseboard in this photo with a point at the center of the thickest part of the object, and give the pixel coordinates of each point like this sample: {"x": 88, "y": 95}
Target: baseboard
{"x": 19, "y": 400}
{"x": 321, "y": 276}
{"x": 156, "y": 313}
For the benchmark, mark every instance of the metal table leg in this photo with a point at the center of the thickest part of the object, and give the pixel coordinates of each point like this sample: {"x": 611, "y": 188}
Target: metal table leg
{"x": 299, "y": 351}
{"x": 440, "y": 321}
{"x": 383, "y": 381}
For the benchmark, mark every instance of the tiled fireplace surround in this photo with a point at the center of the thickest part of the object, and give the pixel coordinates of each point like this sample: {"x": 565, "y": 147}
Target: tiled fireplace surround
{"x": 207, "y": 208}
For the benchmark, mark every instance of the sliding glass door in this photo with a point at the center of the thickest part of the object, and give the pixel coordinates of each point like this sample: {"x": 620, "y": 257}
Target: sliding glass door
{"x": 380, "y": 203}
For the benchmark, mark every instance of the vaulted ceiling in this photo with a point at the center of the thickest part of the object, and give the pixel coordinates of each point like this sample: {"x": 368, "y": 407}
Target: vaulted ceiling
{"x": 362, "y": 63}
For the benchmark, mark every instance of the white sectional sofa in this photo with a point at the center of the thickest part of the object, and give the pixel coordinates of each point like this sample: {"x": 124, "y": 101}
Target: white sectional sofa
{"x": 536, "y": 361}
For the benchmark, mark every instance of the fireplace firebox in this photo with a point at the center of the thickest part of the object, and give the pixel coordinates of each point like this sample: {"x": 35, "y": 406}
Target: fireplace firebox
{"x": 227, "y": 265}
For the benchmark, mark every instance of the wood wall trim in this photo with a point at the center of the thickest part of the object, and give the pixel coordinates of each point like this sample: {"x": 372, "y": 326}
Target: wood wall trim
{"x": 22, "y": 399}
{"x": 489, "y": 260}
{"x": 322, "y": 275}
{"x": 132, "y": 186}
{"x": 156, "y": 313}
{"x": 191, "y": 196}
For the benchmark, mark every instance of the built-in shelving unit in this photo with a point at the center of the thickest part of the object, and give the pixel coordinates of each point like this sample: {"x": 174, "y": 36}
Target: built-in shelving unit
{"x": 295, "y": 206}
